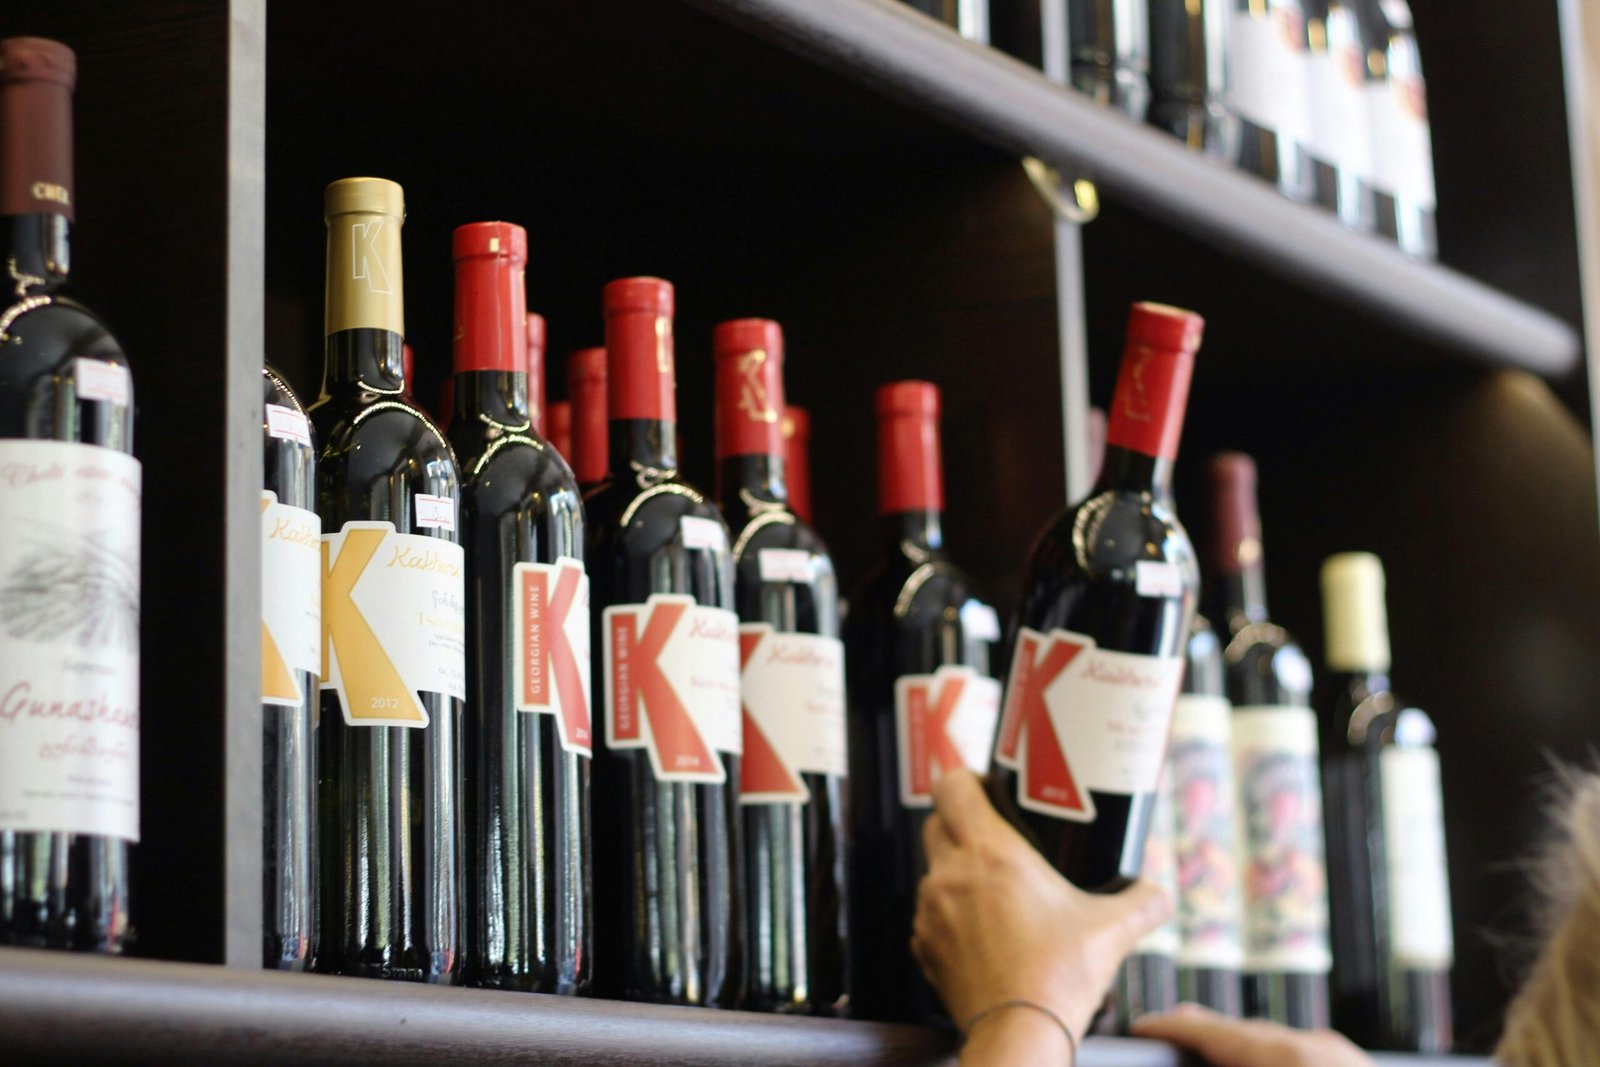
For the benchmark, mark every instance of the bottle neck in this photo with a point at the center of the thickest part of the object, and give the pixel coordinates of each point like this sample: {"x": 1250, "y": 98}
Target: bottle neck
{"x": 38, "y": 251}
{"x": 1246, "y": 592}
{"x": 1131, "y": 470}
{"x": 917, "y": 534}
{"x": 642, "y": 444}
{"x": 492, "y": 400}
{"x": 366, "y": 359}
{"x": 752, "y": 479}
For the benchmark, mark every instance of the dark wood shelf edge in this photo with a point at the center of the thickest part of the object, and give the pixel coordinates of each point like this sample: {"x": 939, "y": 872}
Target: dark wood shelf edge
{"x": 895, "y": 50}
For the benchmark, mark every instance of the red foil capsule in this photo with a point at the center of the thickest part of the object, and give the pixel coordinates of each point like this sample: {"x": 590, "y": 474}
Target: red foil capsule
{"x": 749, "y": 358}
{"x": 910, "y": 474}
{"x": 641, "y": 372}
{"x": 797, "y": 459}
{"x": 491, "y": 305}
{"x": 558, "y": 427}
{"x": 1153, "y": 385}
{"x": 535, "y": 339}
{"x": 586, "y": 384}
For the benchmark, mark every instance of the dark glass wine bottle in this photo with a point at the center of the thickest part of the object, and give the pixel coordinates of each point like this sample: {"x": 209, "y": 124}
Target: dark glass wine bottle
{"x": 291, "y": 663}
{"x": 1268, "y": 89}
{"x": 792, "y": 789}
{"x": 666, "y": 812}
{"x": 1275, "y": 760}
{"x": 393, "y": 617}
{"x": 1402, "y": 148}
{"x": 1188, "y": 66}
{"x": 1206, "y": 831}
{"x": 560, "y": 428}
{"x": 917, "y": 645}
{"x": 1107, "y": 599}
{"x": 591, "y": 430}
{"x": 69, "y": 597}
{"x": 1109, "y": 49}
{"x": 1392, "y": 940}
{"x": 797, "y": 460}
{"x": 527, "y": 731}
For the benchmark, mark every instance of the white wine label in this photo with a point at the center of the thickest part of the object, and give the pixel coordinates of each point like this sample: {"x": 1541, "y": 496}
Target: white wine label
{"x": 943, "y": 721}
{"x": 980, "y": 621}
{"x": 1250, "y": 57}
{"x": 550, "y": 647}
{"x": 435, "y": 512}
{"x": 1286, "y": 883}
{"x": 287, "y": 424}
{"x": 786, "y": 564}
{"x": 1080, "y": 718}
{"x": 1158, "y": 578}
{"x": 393, "y": 622}
{"x": 1205, "y": 833}
{"x": 1291, "y": 81}
{"x": 672, "y": 685}
{"x": 1419, "y": 883}
{"x": 793, "y": 692}
{"x": 1347, "y": 136}
{"x": 291, "y": 599}
{"x": 1160, "y": 868}
{"x": 69, "y": 660}
{"x": 703, "y": 533}
{"x": 95, "y": 379}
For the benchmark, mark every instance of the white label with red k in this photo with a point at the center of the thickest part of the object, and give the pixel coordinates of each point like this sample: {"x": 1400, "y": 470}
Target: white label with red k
{"x": 550, "y": 642}
{"x": 1081, "y": 718}
{"x": 793, "y": 686}
{"x": 672, "y": 685}
{"x": 69, "y": 639}
{"x": 943, "y": 721}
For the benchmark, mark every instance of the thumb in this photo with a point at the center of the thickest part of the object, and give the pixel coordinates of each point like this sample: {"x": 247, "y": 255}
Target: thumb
{"x": 963, "y": 806}
{"x": 1135, "y": 911}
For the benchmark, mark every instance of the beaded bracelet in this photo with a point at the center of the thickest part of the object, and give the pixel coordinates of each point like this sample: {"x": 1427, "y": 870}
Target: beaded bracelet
{"x": 1022, "y": 1002}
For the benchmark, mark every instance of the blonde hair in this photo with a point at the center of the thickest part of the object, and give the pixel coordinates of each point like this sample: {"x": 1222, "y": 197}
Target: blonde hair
{"x": 1554, "y": 1021}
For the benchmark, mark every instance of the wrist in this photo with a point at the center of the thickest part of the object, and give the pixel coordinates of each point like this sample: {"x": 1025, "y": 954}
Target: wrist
{"x": 1018, "y": 1030}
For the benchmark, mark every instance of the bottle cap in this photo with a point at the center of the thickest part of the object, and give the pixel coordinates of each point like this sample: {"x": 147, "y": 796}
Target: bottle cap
{"x": 749, "y": 358}
{"x": 408, "y": 365}
{"x": 364, "y": 196}
{"x": 491, "y": 304}
{"x": 36, "y": 82}
{"x": 910, "y": 474}
{"x": 37, "y": 59}
{"x": 642, "y": 378}
{"x": 586, "y": 385}
{"x": 1238, "y": 521}
{"x": 365, "y": 286}
{"x": 639, "y": 294}
{"x": 797, "y": 459}
{"x": 1153, "y": 385}
{"x": 558, "y": 428}
{"x": 1355, "y": 619}
{"x": 504, "y": 240}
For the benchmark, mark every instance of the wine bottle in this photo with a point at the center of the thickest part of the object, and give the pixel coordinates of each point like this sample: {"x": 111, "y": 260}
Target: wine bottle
{"x": 797, "y": 460}
{"x": 408, "y": 367}
{"x": 529, "y": 916}
{"x": 1147, "y": 981}
{"x": 792, "y": 785}
{"x": 393, "y": 619}
{"x": 666, "y": 814}
{"x": 586, "y": 384}
{"x": 1391, "y": 930}
{"x": 922, "y": 702}
{"x": 970, "y": 18}
{"x": 69, "y": 562}
{"x": 535, "y": 330}
{"x": 1402, "y": 148}
{"x": 1206, "y": 831}
{"x": 1268, "y": 89}
{"x": 291, "y": 663}
{"x": 1275, "y": 765}
{"x": 1099, "y": 638}
{"x": 1109, "y": 50}
{"x": 1345, "y": 112}
{"x": 1188, "y": 85}
{"x": 560, "y": 428}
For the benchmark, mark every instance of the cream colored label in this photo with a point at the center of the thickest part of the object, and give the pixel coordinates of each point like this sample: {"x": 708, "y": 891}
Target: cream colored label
{"x": 69, "y": 639}
{"x": 1205, "y": 833}
{"x": 393, "y": 622}
{"x": 1161, "y": 868}
{"x": 792, "y": 686}
{"x": 1419, "y": 884}
{"x": 364, "y": 274}
{"x": 291, "y": 599}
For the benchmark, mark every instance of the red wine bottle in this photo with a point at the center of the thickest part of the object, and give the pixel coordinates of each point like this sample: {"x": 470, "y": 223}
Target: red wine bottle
{"x": 917, "y": 643}
{"x": 1206, "y": 831}
{"x": 797, "y": 460}
{"x": 1275, "y": 764}
{"x": 408, "y": 367}
{"x": 1392, "y": 940}
{"x": 1099, "y": 640}
{"x": 69, "y": 562}
{"x": 393, "y": 618}
{"x": 666, "y": 813}
{"x": 528, "y": 739}
{"x": 560, "y": 428}
{"x": 792, "y": 784}
{"x": 591, "y": 432}
{"x": 291, "y": 663}
{"x": 534, "y": 334}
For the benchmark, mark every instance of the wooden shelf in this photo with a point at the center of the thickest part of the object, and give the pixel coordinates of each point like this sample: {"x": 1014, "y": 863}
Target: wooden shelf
{"x": 908, "y": 56}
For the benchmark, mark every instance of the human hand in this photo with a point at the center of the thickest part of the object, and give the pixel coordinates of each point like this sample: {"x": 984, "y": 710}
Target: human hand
{"x": 1227, "y": 1042}
{"x": 995, "y": 921}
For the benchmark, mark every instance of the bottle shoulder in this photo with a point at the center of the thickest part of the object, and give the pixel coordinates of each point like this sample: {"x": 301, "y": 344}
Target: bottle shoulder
{"x": 375, "y": 420}
{"x": 40, "y": 331}
{"x": 1112, "y": 531}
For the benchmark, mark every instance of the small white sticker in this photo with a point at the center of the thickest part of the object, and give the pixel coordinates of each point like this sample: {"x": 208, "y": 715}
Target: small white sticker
{"x": 785, "y": 565}
{"x": 435, "y": 512}
{"x": 981, "y": 621}
{"x": 288, "y": 424}
{"x": 1158, "y": 578}
{"x": 703, "y": 533}
{"x": 99, "y": 380}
